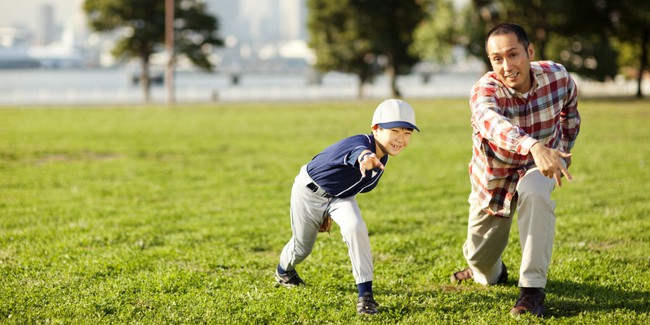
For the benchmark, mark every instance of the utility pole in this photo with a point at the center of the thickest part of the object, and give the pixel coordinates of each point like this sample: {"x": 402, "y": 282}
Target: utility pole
{"x": 169, "y": 47}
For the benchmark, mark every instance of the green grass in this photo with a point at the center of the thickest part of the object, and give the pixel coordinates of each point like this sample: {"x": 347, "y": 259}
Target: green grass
{"x": 155, "y": 215}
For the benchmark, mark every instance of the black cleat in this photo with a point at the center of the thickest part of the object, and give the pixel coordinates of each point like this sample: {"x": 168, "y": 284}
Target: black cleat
{"x": 289, "y": 279}
{"x": 366, "y": 305}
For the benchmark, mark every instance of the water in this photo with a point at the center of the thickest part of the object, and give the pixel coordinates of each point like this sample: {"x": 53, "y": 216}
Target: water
{"x": 114, "y": 86}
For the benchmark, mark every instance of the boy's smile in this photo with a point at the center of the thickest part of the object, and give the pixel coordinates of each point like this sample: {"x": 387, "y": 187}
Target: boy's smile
{"x": 391, "y": 141}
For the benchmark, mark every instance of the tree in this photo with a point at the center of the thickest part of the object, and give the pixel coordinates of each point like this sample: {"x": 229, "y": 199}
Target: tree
{"x": 595, "y": 39}
{"x": 630, "y": 21}
{"x": 143, "y": 25}
{"x": 436, "y": 36}
{"x": 341, "y": 44}
{"x": 394, "y": 23}
{"x": 365, "y": 37}
{"x": 574, "y": 33}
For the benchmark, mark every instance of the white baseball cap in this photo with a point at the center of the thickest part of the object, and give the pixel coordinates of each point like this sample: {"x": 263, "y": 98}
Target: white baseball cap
{"x": 394, "y": 113}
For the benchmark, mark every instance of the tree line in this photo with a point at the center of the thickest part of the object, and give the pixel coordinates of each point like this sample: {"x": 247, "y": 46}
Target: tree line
{"x": 596, "y": 39}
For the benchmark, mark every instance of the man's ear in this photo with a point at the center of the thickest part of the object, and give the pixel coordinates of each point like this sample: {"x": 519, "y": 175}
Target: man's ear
{"x": 531, "y": 52}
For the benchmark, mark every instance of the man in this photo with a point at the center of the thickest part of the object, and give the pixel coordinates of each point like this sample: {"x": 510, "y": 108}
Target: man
{"x": 525, "y": 122}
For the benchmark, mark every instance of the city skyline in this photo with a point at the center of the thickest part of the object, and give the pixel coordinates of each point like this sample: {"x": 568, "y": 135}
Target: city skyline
{"x": 56, "y": 32}
{"x": 25, "y": 13}
{"x": 247, "y": 20}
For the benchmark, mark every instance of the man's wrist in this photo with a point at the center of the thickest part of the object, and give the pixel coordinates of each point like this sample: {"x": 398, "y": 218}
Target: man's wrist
{"x": 528, "y": 144}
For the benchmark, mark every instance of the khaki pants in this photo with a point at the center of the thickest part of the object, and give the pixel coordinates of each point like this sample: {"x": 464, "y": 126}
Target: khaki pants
{"x": 487, "y": 236}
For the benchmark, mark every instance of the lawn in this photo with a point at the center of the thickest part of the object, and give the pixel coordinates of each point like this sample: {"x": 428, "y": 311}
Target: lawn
{"x": 152, "y": 215}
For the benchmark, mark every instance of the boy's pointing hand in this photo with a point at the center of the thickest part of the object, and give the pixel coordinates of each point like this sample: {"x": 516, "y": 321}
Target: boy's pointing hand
{"x": 369, "y": 161}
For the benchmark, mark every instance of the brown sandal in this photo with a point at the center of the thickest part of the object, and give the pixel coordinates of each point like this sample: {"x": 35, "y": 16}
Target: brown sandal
{"x": 461, "y": 276}
{"x": 467, "y": 274}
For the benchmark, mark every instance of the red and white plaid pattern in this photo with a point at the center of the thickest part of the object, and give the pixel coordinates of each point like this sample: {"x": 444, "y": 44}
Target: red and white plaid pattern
{"x": 506, "y": 124}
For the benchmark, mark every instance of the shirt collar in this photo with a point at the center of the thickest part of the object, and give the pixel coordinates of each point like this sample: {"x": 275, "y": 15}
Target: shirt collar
{"x": 535, "y": 72}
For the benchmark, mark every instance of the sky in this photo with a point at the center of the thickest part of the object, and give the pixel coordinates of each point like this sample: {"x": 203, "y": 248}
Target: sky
{"x": 25, "y": 12}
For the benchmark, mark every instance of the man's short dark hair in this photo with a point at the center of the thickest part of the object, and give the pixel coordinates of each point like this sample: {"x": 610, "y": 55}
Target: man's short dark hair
{"x": 507, "y": 28}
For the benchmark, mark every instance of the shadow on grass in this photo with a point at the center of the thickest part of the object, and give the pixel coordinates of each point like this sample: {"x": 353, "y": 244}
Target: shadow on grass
{"x": 565, "y": 299}
{"x": 449, "y": 300}
{"x": 616, "y": 99}
{"x": 571, "y": 298}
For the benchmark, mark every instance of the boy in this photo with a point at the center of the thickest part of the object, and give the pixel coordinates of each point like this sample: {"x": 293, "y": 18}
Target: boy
{"x": 326, "y": 187}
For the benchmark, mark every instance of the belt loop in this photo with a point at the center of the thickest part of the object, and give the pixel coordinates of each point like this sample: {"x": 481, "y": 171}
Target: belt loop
{"x": 315, "y": 188}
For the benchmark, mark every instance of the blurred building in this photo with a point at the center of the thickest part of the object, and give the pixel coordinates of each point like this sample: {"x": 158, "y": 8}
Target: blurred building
{"x": 254, "y": 21}
{"x": 14, "y": 42}
{"x": 262, "y": 36}
{"x": 47, "y": 29}
{"x": 14, "y": 37}
{"x": 254, "y": 31}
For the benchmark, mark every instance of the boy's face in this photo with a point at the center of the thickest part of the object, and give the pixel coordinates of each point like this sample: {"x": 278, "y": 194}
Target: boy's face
{"x": 391, "y": 141}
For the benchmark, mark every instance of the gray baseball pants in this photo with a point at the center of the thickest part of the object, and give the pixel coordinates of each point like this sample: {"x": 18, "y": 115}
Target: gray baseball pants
{"x": 308, "y": 209}
{"x": 487, "y": 236}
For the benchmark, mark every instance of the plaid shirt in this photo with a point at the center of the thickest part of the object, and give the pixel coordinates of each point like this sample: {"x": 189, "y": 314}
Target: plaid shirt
{"x": 507, "y": 124}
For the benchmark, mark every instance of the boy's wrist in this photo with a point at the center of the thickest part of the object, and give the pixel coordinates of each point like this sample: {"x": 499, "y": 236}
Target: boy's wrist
{"x": 363, "y": 155}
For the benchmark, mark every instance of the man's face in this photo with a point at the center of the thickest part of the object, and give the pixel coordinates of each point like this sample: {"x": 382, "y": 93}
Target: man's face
{"x": 510, "y": 60}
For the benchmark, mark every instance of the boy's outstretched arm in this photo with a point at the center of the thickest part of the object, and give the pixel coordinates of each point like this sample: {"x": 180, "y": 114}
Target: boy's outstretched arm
{"x": 368, "y": 161}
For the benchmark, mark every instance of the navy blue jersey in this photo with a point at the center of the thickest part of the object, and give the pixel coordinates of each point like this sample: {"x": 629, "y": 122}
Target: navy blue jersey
{"x": 336, "y": 169}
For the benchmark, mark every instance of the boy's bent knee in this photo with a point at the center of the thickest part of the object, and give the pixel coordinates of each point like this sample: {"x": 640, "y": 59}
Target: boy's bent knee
{"x": 354, "y": 229}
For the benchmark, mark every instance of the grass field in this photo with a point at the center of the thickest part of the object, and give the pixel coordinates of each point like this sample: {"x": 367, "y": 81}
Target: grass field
{"x": 177, "y": 216}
